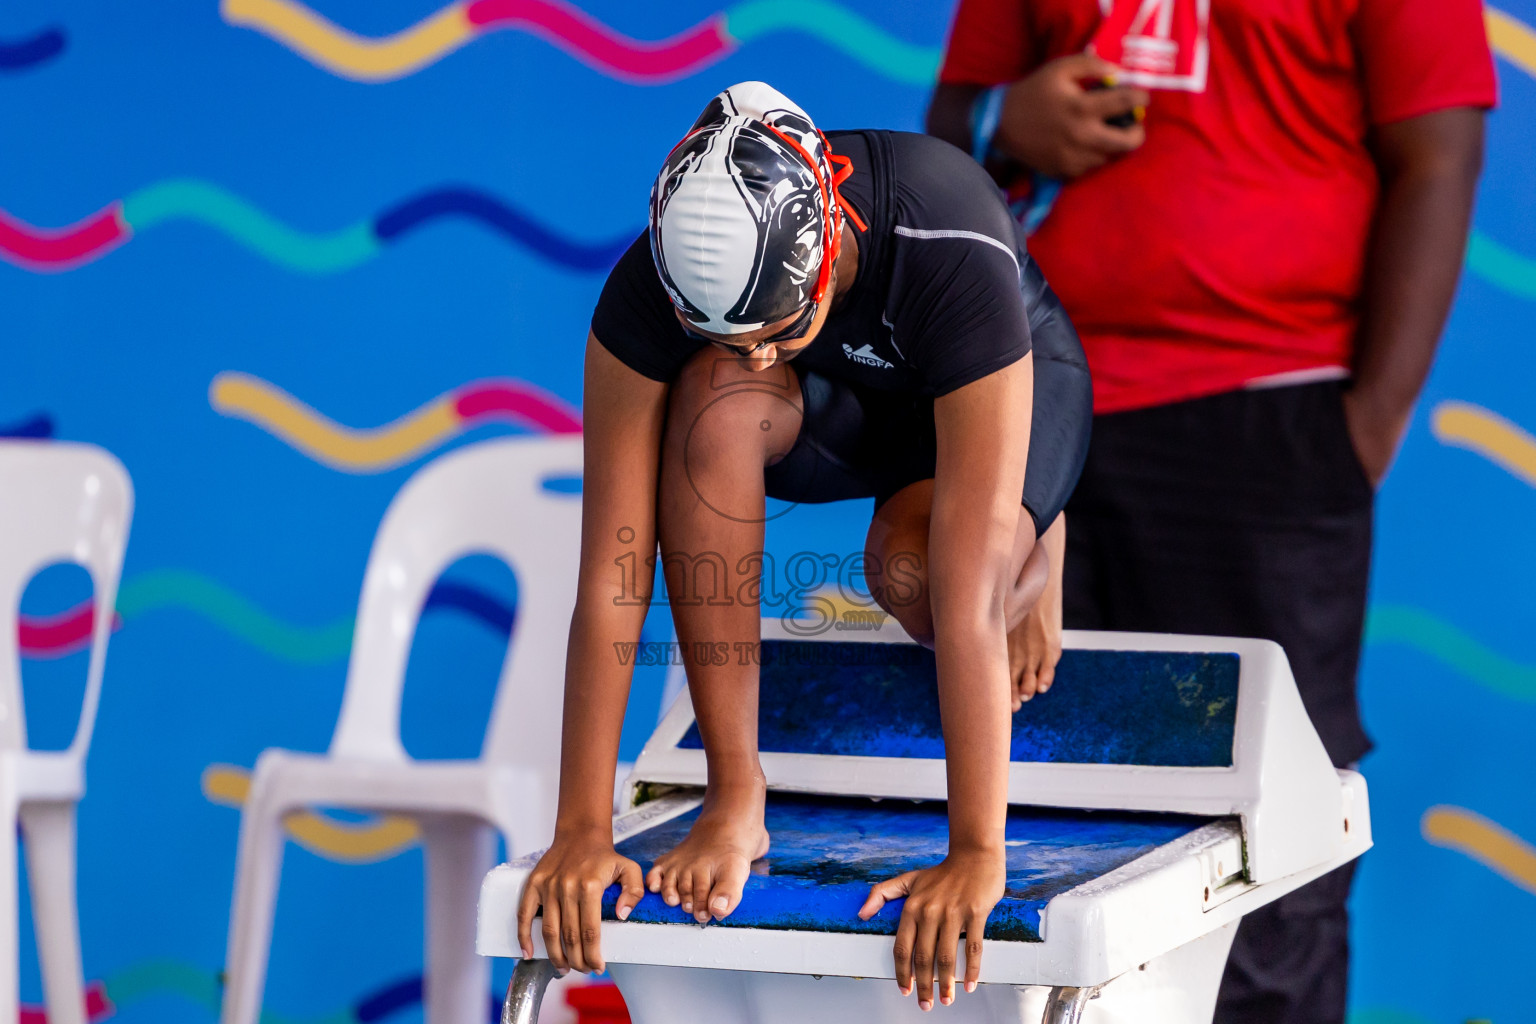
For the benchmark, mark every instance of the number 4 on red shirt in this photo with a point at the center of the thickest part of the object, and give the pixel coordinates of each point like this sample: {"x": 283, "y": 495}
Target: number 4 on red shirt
{"x": 1161, "y": 44}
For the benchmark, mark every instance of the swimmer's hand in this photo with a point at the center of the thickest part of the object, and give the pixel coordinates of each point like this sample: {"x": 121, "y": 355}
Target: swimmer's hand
{"x": 952, "y": 897}
{"x": 568, "y": 883}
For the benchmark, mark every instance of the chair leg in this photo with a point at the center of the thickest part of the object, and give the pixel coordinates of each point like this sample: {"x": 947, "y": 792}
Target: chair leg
{"x": 49, "y": 831}
{"x": 10, "y": 899}
{"x": 258, "y": 867}
{"x": 459, "y": 851}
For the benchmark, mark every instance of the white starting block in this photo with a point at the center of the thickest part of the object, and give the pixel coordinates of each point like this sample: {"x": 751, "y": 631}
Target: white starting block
{"x": 1164, "y": 787}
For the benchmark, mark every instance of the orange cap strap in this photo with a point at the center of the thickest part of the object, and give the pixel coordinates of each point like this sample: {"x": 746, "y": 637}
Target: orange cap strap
{"x": 832, "y": 231}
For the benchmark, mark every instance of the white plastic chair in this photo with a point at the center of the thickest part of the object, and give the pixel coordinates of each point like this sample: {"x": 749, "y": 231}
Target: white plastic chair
{"x": 486, "y": 498}
{"x": 58, "y": 503}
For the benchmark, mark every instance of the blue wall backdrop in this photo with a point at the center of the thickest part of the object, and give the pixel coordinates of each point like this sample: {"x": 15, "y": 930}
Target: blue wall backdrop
{"x": 275, "y": 266}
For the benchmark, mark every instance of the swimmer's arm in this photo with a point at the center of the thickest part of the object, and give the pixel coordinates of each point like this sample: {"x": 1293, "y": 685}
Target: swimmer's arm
{"x": 621, "y": 449}
{"x": 623, "y": 416}
{"x": 983, "y": 440}
{"x": 983, "y": 444}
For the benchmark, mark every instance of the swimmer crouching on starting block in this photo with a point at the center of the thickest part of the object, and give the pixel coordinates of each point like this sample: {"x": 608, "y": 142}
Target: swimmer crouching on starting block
{"x": 816, "y": 319}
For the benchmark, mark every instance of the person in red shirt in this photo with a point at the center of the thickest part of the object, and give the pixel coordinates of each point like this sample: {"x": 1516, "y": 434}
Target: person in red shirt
{"x": 1255, "y": 214}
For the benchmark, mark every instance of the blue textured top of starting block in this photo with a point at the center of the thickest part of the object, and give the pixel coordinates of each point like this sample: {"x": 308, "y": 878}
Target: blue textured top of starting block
{"x": 827, "y": 851}
{"x": 1106, "y": 707}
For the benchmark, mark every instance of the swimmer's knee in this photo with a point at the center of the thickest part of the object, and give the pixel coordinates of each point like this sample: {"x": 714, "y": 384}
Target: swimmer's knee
{"x": 896, "y": 557}
{"x": 1028, "y": 586}
{"x": 900, "y": 588}
{"x": 717, "y": 406}
{"x": 916, "y": 622}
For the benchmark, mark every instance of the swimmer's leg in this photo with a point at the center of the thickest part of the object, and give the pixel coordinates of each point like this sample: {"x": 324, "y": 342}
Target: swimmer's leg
{"x": 725, "y": 422}
{"x": 896, "y": 549}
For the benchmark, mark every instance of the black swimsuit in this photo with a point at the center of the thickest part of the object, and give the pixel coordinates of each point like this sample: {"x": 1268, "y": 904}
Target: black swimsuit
{"x": 945, "y": 295}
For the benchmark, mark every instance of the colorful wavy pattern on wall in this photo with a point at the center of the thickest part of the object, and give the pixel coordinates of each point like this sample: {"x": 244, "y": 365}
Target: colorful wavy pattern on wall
{"x": 54, "y": 636}
{"x": 369, "y": 59}
{"x": 1484, "y": 840}
{"x": 1508, "y": 446}
{"x": 1503, "y": 267}
{"x": 377, "y": 449}
{"x": 376, "y": 837}
{"x": 650, "y": 62}
{"x": 57, "y": 249}
{"x": 27, "y": 53}
{"x": 1511, "y": 39}
{"x": 1376, "y": 1015}
{"x": 1432, "y": 635}
{"x": 38, "y": 425}
{"x": 53, "y": 250}
{"x": 1486, "y": 433}
{"x": 1511, "y": 448}
{"x": 387, "y": 58}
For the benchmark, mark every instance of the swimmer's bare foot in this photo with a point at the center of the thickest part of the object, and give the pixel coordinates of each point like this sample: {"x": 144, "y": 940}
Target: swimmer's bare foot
{"x": 706, "y": 871}
{"x": 1033, "y": 651}
{"x": 1034, "y": 644}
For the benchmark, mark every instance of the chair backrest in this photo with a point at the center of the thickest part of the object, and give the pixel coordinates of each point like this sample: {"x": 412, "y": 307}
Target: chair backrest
{"x": 513, "y": 498}
{"x": 59, "y": 502}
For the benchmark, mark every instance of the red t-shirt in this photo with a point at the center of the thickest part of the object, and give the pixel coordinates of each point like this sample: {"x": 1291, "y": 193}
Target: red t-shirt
{"x": 1230, "y": 248}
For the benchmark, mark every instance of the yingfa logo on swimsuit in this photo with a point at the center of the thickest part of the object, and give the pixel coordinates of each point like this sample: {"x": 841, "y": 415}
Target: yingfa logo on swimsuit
{"x": 865, "y": 355}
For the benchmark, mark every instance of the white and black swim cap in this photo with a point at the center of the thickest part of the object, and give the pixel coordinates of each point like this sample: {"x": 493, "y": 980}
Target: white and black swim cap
{"x": 739, "y": 219}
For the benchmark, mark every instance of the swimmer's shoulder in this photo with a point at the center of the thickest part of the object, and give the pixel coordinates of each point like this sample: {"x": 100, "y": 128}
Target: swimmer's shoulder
{"x": 940, "y": 188}
{"x": 633, "y": 318}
